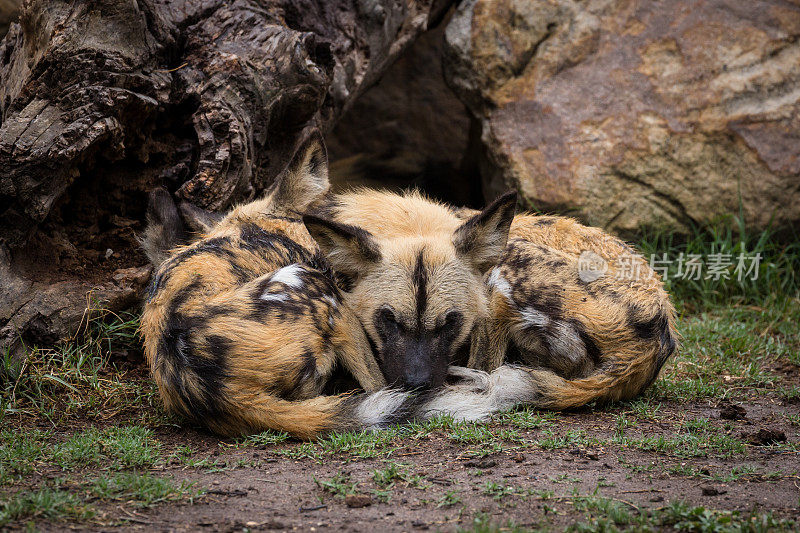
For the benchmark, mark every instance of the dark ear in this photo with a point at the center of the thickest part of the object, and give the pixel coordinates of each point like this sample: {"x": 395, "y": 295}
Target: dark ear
{"x": 350, "y": 250}
{"x": 306, "y": 179}
{"x": 482, "y": 238}
{"x": 164, "y": 229}
{"x": 197, "y": 219}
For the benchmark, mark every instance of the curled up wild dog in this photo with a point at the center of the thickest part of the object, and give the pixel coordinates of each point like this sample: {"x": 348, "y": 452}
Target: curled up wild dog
{"x": 244, "y": 326}
{"x": 429, "y": 282}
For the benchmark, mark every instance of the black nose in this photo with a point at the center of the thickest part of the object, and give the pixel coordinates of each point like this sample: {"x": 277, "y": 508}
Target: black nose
{"x": 417, "y": 381}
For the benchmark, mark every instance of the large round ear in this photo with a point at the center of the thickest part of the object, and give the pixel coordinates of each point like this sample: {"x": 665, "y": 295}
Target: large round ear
{"x": 199, "y": 220}
{"x": 306, "y": 178}
{"x": 482, "y": 238}
{"x": 164, "y": 229}
{"x": 349, "y": 249}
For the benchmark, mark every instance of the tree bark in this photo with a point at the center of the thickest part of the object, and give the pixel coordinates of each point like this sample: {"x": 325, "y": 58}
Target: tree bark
{"x": 101, "y": 100}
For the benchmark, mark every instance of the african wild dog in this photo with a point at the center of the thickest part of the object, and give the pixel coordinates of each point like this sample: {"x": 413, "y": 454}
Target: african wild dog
{"x": 243, "y": 328}
{"x": 415, "y": 272}
{"x": 417, "y": 268}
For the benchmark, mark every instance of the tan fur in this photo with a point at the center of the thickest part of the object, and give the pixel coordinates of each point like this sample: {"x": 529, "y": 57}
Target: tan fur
{"x": 420, "y": 265}
{"x": 581, "y": 342}
{"x": 610, "y": 309}
{"x": 242, "y": 329}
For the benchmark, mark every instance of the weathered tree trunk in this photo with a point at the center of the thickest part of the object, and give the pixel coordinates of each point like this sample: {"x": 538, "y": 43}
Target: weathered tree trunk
{"x": 101, "y": 100}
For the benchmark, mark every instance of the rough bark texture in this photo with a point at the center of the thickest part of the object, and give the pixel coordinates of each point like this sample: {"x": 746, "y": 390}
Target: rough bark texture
{"x": 101, "y": 100}
{"x": 632, "y": 113}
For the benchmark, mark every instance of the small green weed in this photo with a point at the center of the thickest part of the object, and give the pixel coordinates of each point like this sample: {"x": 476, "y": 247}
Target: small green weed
{"x": 143, "y": 490}
{"x": 339, "y": 485}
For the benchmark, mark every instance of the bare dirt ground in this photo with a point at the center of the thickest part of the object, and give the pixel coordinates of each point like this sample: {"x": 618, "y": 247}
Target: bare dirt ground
{"x": 571, "y": 468}
{"x": 539, "y": 486}
{"x": 714, "y": 445}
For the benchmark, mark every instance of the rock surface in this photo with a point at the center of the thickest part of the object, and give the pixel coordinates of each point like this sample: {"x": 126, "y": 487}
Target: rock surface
{"x": 632, "y": 113}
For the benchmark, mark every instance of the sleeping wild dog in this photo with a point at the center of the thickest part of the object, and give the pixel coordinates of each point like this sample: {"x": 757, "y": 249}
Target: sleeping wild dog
{"x": 243, "y": 327}
{"x": 427, "y": 278}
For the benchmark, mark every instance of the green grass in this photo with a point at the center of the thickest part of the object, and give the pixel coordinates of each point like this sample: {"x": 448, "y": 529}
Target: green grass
{"x": 143, "y": 490}
{"x": 78, "y": 378}
{"x": 482, "y": 439}
{"x": 683, "y": 517}
{"x": 394, "y": 472}
{"x": 449, "y": 499}
{"x": 778, "y": 273}
{"x": 693, "y": 438}
{"x": 45, "y": 503}
{"x": 612, "y": 510}
{"x": 361, "y": 444}
{"x": 571, "y": 438}
{"x": 19, "y": 452}
{"x": 264, "y": 439}
{"x": 643, "y": 408}
{"x": 606, "y": 515}
{"x": 498, "y": 491}
{"x": 737, "y": 473}
{"x": 115, "y": 447}
{"x": 122, "y": 447}
{"x": 56, "y": 503}
{"x": 527, "y": 418}
{"x": 339, "y": 485}
{"x": 482, "y": 523}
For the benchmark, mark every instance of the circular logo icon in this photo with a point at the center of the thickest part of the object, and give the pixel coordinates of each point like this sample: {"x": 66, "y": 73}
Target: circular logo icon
{"x": 591, "y": 266}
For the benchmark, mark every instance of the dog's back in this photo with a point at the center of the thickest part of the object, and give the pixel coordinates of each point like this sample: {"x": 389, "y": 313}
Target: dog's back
{"x": 243, "y": 327}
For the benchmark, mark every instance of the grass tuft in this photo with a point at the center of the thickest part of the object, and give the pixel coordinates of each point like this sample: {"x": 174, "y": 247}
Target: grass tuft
{"x": 778, "y": 274}
{"x": 78, "y": 379}
{"x": 143, "y": 490}
{"x": 49, "y": 503}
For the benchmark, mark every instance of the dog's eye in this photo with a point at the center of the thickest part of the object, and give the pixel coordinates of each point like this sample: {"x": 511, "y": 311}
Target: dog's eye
{"x": 388, "y": 319}
{"x": 451, "y": 321}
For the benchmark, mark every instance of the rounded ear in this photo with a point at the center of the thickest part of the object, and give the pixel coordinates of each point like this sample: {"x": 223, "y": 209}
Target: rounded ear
{"x": 198, "y": 219}
{"x": 482, "y": 238}
{"x": 349, "y": 249}
{"x": 164, "y": 229}
{"x": 306, "y": 178}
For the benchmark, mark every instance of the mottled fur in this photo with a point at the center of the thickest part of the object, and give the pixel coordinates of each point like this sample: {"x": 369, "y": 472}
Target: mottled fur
{"x": 577, "y": 341}
{"x": 243, "y": 328}
{"x": 581, "y": 340}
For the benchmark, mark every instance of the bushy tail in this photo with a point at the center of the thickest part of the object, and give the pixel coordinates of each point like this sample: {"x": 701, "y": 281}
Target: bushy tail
{"x": 477, "y": 396}
{"x": 316, "y": 417}
{"x": 480, "y": 394}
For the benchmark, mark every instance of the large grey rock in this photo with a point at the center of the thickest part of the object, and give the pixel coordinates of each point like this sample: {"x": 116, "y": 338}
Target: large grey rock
{"x": 635, "y": 113}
